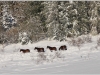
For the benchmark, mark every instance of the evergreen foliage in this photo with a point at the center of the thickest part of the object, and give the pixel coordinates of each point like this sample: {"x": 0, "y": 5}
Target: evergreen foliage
{"x": 49, "y": 19}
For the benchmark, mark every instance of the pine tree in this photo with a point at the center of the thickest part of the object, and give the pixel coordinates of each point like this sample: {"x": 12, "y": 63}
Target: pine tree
{"x": 83, "y": 17}
{"x": 8, "y": 19}
{"x": 51, "y": 14}
{"x": 63, "y": 21}
{"x": 94, "y": 18}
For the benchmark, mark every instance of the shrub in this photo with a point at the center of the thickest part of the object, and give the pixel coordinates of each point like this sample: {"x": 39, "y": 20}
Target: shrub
{"x": 58, "y": 54}
{"x": 41, "y": 57}
{"x": 98, "y": 42}
{"x": 77, "y": 42}
{"x": 87, "y": 39}
{"x": 72, "y": 42}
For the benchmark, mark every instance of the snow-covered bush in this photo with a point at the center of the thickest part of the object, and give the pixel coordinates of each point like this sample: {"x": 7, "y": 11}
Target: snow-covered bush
{"x": 87, "y": 39}
{"x": 77, "y": 42}
{"x": 41, "y": 57}
{"x": 98, "y": 42}
{"x": 58, "y": 54}
{"x": 48, "y": 57}
{"x": 72, "y": 42}
{"x": 80, "y": 41}
{"x": 24, "y": 38}
{"x": 2, "y": 47}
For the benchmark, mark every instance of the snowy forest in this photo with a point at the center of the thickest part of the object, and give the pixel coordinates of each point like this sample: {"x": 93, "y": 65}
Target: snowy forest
{"x": 32, "y": 21}
{"x": 49, "y": 37}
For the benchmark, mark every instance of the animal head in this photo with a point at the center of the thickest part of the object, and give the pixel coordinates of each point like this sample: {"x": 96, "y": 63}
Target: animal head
{"x": 35, "y": 48}
{"x": 48, "y": 46}
{"x": 21, "y": 50}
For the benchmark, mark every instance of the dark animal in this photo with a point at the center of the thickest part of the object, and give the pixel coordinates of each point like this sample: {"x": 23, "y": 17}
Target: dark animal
{"x": 63, "y": 47}
{"x": 39, "y": 49}
{"x": 52, "y": 48}
{"x": 25, "y": 50}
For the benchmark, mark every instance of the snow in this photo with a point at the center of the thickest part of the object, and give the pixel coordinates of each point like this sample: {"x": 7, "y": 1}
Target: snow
{"x": 71, "y": 61}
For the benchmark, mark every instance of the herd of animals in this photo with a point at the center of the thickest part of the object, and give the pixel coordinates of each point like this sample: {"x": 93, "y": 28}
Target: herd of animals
{"x": 63, "y": 47}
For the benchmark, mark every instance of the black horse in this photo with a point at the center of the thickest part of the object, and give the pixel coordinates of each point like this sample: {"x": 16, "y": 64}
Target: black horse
{"x": 39, "y": 49}
{"x": 25, "y": 50}
{"x": 52, "y": 48}
{"x": 63, "y": 47}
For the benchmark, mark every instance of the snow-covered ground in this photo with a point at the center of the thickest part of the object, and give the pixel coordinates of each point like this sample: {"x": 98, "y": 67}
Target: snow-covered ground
{"x": 72, "y": 61}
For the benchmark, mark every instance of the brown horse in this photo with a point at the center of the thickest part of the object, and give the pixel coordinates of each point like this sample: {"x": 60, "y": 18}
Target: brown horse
{"x": 25, "y": 50}
{"x": 52, "y": 48}
{"x": 63, "y": 47}
{"x": 39, "y": 49}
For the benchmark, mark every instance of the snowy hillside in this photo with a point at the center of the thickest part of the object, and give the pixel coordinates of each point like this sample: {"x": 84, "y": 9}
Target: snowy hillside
{"x": 75, "y": 60}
